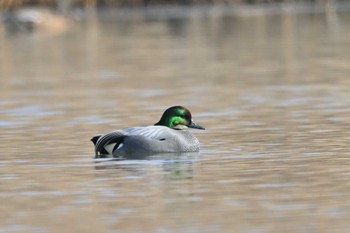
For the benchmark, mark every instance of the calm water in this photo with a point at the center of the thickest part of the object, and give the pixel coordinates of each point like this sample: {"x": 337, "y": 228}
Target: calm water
{"x": 273, "y": 91}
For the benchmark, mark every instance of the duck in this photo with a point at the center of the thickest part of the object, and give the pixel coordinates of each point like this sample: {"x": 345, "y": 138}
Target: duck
{"x": 169, "y": 135}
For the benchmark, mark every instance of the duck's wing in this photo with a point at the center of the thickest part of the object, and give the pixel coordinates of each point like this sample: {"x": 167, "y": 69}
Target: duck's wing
{"x": 109, "y": 142}
{"x": 152, "y": 132}
{"x": 104, "y": 143}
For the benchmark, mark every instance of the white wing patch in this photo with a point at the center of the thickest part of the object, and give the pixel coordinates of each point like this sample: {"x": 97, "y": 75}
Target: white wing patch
{"x": 109, "y": 147}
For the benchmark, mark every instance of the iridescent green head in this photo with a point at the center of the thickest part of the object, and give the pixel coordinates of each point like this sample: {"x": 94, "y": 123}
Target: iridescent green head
{"x": 178, "y": 117}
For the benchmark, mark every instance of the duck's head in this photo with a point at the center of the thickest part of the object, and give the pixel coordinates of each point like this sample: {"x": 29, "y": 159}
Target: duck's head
{"x": 178, "y": 117}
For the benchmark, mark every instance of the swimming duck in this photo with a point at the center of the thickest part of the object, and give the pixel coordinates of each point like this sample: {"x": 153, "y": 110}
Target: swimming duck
{"x": 168, "y": 135}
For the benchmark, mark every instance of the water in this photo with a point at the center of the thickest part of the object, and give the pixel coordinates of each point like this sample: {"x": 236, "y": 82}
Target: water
{"x": 271, "y": 89}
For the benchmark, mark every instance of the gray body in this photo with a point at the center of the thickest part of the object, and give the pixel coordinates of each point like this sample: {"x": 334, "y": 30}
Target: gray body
{"x": 146, "y": 140}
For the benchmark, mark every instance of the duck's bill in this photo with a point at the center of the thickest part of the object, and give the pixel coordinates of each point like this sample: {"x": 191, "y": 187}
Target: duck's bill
{"x": 195, "y": 126}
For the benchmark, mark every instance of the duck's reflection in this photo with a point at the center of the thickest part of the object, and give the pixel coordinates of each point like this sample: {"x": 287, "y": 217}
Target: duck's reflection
{"x": 175, "y": 165}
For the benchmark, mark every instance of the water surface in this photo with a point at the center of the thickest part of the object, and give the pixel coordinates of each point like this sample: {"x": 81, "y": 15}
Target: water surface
{"x": 272, "y": 90}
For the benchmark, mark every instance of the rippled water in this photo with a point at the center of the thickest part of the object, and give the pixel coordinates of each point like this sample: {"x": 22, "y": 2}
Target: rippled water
{"x": 271, "y": 89}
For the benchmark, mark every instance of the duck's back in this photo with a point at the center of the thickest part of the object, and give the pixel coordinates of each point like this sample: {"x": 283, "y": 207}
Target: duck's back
{"x": 157, "y": 139}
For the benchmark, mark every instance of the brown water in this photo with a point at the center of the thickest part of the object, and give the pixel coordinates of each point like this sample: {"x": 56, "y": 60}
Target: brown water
{"x": 273, "y": 91}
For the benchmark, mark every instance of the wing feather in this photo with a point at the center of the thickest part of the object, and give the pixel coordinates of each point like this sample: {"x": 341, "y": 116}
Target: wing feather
{"x": 106, "y": 139}
{"x": 117, "y": 137}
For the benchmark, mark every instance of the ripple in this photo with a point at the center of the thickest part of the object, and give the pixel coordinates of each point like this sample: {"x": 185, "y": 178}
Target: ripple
{"x": 7, "y": 123}
{"x": 30, "y": 110}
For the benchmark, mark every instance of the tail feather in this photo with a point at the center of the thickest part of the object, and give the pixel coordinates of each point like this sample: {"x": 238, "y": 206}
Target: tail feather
{"x": 95, "y": 139}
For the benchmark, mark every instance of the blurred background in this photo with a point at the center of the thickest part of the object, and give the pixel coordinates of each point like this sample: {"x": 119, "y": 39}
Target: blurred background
{"x": 269, "y": 79}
